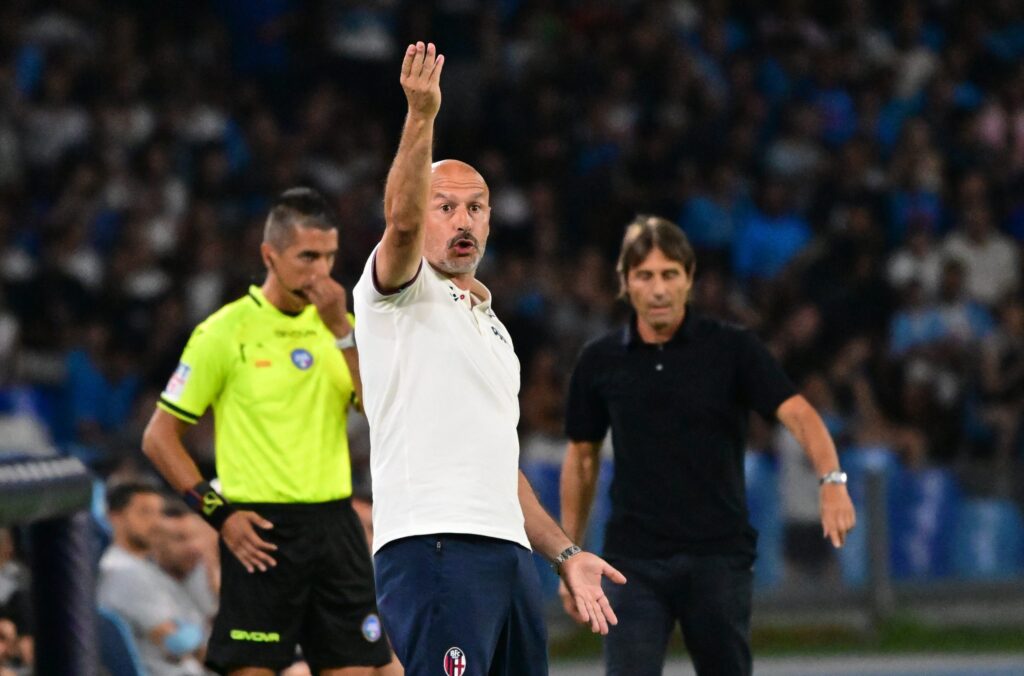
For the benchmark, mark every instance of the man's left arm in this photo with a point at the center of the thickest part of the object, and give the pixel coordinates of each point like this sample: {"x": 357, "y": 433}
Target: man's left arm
{"x": 837, "y": 513}
{"x": 581, "y": 572}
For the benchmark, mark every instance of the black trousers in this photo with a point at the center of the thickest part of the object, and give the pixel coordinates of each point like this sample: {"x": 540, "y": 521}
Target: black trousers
{"x": 708, "y": 595}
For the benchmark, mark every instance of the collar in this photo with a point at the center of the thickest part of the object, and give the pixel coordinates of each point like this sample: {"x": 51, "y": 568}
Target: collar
{"x": 476, "y": 288}
{"x": 256, "y": 295}
{"x": 685, "y": 332}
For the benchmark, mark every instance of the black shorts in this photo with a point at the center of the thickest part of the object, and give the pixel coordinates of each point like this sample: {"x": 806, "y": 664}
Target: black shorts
{"x": 320, "y": 595}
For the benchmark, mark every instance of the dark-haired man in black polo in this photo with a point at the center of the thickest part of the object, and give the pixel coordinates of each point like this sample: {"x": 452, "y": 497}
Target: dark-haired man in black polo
{"x": 676, "y": 390}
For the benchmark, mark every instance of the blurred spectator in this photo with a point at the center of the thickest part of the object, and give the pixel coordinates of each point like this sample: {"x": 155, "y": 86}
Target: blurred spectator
{"x": 165, "y": 619}
{"x": 16, "y": 643}
{"x": 991, "y": 260}
{"x": 816, "y": 158}
{"x": 770, "y": 236}
{"x": 1002, "y": 390}
{"x": 916, "y": 262}
{"x": 185, "y": 548}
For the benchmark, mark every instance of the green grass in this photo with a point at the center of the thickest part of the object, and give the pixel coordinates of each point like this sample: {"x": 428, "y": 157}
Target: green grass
{"x": 895, "y": 636}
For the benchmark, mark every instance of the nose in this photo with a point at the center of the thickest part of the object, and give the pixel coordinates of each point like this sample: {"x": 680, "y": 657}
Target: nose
{"x": 322, "y": 267}
{"x": 462, "y": 219}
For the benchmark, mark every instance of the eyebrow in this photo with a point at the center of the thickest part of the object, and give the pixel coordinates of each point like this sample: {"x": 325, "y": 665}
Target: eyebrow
{"x": 306, "y": 252}
{"x": 445, "y": 196}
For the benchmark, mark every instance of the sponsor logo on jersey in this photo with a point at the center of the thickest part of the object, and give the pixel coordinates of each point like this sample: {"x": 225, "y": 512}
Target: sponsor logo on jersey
{"x": 302, "y": 358}
{"x": 176, "y": 385}
{"x": 454, "y": 662}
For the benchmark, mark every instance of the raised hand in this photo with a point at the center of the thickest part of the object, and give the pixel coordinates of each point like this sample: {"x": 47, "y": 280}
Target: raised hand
{"x": 421, "y": 79}
{"x": 331, "y": 303}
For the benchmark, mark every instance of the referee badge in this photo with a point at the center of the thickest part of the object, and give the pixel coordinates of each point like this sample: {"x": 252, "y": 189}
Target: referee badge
{"x": 302, "y": 359}
{"x": 371, "y": 628}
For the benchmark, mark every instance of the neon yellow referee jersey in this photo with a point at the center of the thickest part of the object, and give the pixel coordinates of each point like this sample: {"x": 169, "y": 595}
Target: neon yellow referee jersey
{"x": 280, "y": 390}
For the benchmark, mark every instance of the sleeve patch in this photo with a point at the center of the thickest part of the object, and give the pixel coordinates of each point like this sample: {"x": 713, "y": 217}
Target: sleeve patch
{"x": 176, "y": 385}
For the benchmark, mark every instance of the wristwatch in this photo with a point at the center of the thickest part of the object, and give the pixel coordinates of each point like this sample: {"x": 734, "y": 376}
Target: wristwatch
{"x": 836, "y": 476}
{"x": 567, "y": 553}
{"x": 347, "y": 341}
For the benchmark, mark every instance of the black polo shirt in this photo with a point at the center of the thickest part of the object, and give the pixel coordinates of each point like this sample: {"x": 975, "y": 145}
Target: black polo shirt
{"x": 678, "y": 413}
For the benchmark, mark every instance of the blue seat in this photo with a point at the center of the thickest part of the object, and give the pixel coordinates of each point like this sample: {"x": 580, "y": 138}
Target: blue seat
{"x": 922, "y": 508}
{"x": 859, "y": 463}
{"x": 988, "y": 540}
{"x": 117, "y": 646}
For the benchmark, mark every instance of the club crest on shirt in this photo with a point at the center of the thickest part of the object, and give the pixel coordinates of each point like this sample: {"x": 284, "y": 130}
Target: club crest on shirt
{"x": 454, "y": 662}
{"x": 371, "y": 628}
{"x": 176, "y": 385}
{"x": 302, "y": 358}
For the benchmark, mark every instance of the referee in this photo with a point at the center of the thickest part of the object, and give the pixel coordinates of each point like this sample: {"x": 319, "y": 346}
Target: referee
{"x": 676, "y": 389}
{"x": 280, "y": 369}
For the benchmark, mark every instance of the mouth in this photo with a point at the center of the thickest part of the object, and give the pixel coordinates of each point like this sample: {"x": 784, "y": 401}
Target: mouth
{"x": 463, "y": 246}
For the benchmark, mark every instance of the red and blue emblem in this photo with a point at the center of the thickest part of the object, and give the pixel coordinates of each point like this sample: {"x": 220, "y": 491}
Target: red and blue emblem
{"x": 454, "y": 662}
{"x": 302, "y": 358}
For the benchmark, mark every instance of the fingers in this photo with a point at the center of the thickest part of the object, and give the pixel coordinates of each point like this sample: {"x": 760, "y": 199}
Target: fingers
{"x": 428, "y": 59}
{"x": 569, "y": 604}
{"x": 435, "y": 76}
{"x": 595, "y": 613}
{"x": 606, "y": 609}
{"x": 417, "y": 60}
{"x": 410, "y": 52}
{"x": 247, "y": 546}
{"x": 613, "y": 574}
{"x": 581, "y": 608}
{"x": 836, "y": 526}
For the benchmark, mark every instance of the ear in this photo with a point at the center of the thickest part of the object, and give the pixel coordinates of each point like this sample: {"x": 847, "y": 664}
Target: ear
{"x": 266, "y": 252}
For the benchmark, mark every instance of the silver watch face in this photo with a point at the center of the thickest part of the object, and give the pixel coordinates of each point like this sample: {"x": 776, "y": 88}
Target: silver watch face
{"x": 837, "y": 477}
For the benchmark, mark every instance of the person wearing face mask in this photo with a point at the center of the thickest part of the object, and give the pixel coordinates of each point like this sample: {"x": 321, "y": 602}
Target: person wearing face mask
{"x": 676, "y": 389}
{"x": 279, "y": 368}
{"x": 453, "y": 517}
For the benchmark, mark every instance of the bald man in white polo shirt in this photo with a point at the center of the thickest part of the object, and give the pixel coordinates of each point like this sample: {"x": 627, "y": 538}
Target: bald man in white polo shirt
{"x": 453, "y": 517}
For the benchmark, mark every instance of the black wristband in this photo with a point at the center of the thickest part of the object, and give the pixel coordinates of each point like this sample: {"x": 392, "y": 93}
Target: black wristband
{"x": 209, "y": 504}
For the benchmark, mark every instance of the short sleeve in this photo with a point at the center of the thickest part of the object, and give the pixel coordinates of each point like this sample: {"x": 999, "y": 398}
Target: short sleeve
{"x": 199, "y": 378}
{"x": 369, "y": 292}
{"x": 763, "y": 383}
{"x": 586, "y": 413}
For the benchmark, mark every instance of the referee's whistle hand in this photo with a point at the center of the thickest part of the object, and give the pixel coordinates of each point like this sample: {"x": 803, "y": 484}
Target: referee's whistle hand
{"x": 239, "y": 533}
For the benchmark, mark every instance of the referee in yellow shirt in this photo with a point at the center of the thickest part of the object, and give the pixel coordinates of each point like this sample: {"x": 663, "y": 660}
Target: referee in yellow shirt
{"x": 280, "y": 369}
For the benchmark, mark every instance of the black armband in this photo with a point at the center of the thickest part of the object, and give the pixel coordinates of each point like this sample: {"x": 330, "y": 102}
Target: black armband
{"x": 209, "y": 504}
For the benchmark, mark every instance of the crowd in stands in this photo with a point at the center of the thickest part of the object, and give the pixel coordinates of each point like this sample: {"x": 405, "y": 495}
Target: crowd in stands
{"x": 850, "y": 173}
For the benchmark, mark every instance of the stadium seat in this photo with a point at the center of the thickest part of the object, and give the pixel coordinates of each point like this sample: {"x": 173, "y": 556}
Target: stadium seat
{"x": 859, "y": 463}
{"x": 922, "y": 507}
{"x": 117, "y": 646}
{"x": 988, "y": 540}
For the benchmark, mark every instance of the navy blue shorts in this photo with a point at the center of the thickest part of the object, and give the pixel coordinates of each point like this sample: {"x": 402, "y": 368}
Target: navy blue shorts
{"x": 462, "y": 605}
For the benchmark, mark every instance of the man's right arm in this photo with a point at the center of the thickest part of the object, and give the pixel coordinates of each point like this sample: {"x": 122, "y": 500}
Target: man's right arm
{"x": 162, "y": 444}
{"x": 407, "y": 190}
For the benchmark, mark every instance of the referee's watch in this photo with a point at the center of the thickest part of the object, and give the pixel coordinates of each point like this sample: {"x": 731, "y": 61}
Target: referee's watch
{"x": 347, "y": 341}
{"x": 836, "y": 476}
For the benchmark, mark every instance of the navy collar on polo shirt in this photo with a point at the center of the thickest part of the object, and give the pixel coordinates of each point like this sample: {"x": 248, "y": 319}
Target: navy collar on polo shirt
{"x": 631, "y": 337}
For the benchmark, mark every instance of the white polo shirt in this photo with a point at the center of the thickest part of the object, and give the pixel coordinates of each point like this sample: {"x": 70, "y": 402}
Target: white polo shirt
{"x": 441, "y": 393}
